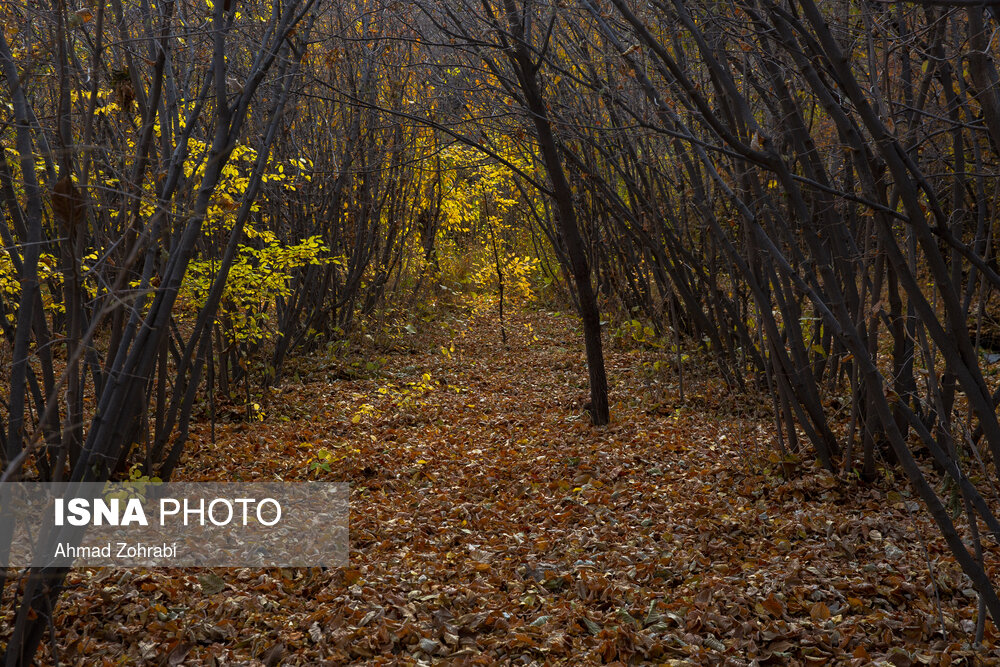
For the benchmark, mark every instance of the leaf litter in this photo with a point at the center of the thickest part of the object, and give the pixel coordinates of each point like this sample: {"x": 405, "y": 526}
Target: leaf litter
{"x": 491, "y": 523}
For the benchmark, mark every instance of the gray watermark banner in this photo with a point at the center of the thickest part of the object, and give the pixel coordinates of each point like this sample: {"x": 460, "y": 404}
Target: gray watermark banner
{"x": 175, "y": 524}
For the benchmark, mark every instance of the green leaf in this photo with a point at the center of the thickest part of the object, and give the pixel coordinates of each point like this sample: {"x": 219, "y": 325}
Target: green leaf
{"x": 211, "y": 583}
{"x": 592, "y": 627}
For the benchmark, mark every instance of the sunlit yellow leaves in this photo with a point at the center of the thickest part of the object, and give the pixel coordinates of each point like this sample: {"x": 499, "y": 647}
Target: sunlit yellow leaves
{"x": 256, "y": 280}
{"x": 50, "y": 277}
{"x": 365, "y": 410}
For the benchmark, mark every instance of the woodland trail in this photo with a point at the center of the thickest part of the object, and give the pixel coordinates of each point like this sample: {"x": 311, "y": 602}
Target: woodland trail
{"x": 490, "y": 522}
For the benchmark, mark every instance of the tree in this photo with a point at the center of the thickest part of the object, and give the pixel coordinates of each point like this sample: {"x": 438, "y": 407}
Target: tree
{"x": 154, "y": 233}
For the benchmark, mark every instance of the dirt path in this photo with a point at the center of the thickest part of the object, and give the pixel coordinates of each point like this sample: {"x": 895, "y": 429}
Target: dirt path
{"x": 490, "y": 522}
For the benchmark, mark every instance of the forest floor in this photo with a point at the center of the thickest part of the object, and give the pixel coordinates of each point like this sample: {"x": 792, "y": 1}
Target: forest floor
{"x": 490, "y": 522}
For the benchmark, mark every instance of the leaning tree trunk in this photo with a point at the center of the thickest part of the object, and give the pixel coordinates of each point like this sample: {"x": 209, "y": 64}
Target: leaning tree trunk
{"x": 566, "y": 214}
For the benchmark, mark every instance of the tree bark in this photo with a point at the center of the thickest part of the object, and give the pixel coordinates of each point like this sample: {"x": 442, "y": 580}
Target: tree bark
{"x": 569, "y": 229}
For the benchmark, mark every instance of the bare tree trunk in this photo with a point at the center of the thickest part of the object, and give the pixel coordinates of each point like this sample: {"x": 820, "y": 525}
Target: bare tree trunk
{"x": 527, "y": 73}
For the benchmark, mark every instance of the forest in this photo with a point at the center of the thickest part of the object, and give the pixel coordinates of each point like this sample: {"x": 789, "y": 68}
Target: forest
{"x": 637, "y": 332}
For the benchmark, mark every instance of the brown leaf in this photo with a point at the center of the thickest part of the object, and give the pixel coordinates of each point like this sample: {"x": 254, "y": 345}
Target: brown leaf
{"x": 272, "y": 656}
{"x": 819, "y": 612}
{"x": 67, "y": 202}
{"x": 773, "y": 605}
{"x": 180, "y": 652}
